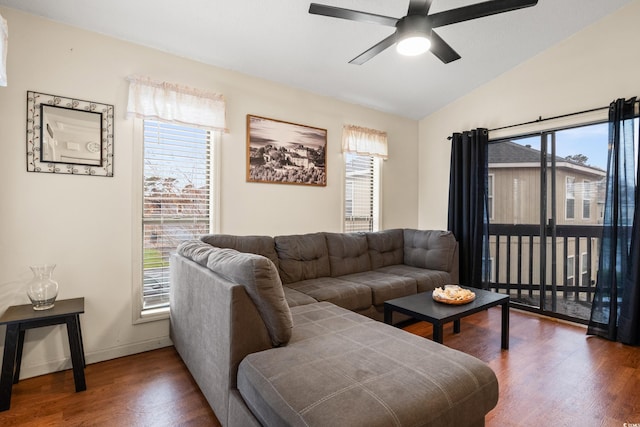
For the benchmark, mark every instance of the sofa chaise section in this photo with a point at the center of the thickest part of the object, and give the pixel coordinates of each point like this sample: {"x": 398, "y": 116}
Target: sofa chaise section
{"x": 346, "y": 369}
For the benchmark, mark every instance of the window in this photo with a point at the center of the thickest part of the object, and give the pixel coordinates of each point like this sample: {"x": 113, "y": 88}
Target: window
{"x": 177, "y": 200}
{"x": 570, "y": 198}
{"x": 361, "y": 201}
{"x": 489, "y": 266}
{"x": 586, "y": 199}
{"x": 364, "y": 149}
{"x": 570, "y": 269}
{"x": 490, "y": 187}
{"x": 584, "y": 269}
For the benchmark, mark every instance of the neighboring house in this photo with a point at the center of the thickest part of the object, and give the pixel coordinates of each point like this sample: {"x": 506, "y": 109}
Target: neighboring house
{"x": 515, "y": 199}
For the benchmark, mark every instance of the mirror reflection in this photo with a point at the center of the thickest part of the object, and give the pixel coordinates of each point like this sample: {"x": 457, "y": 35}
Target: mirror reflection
{"x": 70, "y": 136}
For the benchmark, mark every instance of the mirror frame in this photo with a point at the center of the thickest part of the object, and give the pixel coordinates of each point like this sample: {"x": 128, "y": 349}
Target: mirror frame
{"x": 35, "y": 129}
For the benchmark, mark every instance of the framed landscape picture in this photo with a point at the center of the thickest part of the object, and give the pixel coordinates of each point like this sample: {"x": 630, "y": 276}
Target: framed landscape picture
{"x": 285, "y": 153}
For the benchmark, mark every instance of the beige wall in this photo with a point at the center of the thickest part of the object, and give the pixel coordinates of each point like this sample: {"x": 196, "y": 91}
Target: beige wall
{"x": 85, "y": 224}
{"x": 588, "y": 70}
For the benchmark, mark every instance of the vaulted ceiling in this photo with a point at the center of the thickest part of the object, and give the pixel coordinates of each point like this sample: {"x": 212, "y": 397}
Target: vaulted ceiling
{"x": 280, "y": 41}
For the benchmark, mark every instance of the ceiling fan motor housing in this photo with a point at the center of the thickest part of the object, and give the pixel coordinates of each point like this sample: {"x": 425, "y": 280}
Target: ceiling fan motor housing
{"x": 413, "y": 25}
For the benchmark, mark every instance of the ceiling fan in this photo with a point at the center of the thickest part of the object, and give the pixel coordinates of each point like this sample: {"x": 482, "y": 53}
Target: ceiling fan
{"x": 414, "y": 32}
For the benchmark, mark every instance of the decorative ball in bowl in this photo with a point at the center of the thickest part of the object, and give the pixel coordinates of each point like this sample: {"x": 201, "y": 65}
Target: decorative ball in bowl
{"x": 453, "y": 294}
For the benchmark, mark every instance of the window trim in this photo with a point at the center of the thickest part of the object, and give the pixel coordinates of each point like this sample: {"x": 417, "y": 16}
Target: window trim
{"x": 491, "y": 184}
{"x": 570, "y": 271}
{"x": 567, "y": 198}
{"x": 492, "y": 271}
{"x": 138, "y": 314}
{"x": 584, "y": 268}
{"x": 586, "y": 197}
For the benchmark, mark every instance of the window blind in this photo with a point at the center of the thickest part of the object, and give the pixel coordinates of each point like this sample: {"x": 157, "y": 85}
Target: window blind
{"x": 176, "y": 199}
{"x": 360, "y": 193}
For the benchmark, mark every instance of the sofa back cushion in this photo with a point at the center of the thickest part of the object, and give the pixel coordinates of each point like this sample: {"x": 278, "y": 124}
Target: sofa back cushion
{"x": 348, "y": 253}
{"x": 430, "y": 249}
{"x": 302, "y": 257}
{"x": 386, "y": 248}
{"x": 196, "y": 251}
{"x": 260, "y": 245}
{"x": 260, "y": 278}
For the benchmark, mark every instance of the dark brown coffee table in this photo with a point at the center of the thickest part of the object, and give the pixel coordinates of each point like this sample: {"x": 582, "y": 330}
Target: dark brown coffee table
{"x": 422, "y": 307}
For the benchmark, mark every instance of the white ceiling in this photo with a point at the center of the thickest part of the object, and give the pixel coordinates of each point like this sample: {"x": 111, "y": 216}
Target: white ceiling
{"x": 279, "y": 40}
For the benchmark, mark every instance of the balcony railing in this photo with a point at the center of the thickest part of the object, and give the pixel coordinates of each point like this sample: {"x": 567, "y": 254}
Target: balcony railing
{"x": 564, "y": 268}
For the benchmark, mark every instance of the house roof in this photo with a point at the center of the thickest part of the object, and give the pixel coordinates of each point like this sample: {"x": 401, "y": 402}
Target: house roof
{"x": 509, "y": 152}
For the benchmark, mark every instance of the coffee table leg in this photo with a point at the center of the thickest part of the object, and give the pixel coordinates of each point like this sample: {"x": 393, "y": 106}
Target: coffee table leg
{"x": 388, "y": 314}
{"x": 505, "y": 326}
{"x": 437, "y": 332}
{"x": 456, "y": 326}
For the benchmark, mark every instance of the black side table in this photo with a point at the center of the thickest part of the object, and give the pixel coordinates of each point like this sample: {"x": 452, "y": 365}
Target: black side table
{"x": 18, "y": 319}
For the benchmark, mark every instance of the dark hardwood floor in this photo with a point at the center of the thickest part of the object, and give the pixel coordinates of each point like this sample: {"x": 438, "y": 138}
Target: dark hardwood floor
{"x": 552, "y": 375}
{"x": 147, "y": 389}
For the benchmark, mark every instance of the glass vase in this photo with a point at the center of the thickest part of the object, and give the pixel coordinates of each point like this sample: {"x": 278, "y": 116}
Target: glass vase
{"x": 42, "y": 289}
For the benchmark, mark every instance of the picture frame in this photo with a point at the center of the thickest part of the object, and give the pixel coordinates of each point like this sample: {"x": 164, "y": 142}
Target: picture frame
{"x": 69, "y": 135}
{"x": 281, "y": 152}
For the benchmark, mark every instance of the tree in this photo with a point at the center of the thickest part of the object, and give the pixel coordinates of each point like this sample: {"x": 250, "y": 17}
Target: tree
{"x": 578, "y": 158}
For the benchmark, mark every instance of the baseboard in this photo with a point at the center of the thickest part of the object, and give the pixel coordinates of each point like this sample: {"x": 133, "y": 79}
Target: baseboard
{"x": 94, "y": 357}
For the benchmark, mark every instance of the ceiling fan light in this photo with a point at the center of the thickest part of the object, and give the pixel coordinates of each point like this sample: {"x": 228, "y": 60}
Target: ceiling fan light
{"x": 413, "y": 46}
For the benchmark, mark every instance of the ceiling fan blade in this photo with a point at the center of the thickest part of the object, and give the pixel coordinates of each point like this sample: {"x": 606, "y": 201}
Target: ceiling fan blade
{"x": 419, "y": 7}
{"x": 478, "y": 10}
{"x": 442, "y": 50}
{"x": 352, "y": 15}
{"x": 374, "y": 50}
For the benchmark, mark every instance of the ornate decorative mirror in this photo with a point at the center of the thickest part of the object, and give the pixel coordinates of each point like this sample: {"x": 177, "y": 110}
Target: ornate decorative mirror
{"x": 69, "y": 136}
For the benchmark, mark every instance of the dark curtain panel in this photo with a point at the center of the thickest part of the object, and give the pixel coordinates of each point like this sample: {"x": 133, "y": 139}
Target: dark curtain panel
{"x": 468, "y": 215}
{"x": 615, "y": 287}
{"x": 629, "y": 321}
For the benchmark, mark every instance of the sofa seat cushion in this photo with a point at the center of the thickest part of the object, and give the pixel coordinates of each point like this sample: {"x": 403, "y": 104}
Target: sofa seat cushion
{"x": 359, "y": 372}
{"x": 383, "y": 286}
{"x": 427, "y": 280}
{"x": 352, "y": 296}
{"x": 295, "y": 298}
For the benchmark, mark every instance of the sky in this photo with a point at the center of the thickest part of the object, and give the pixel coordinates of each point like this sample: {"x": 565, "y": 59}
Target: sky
{"x": 591, "y": 141}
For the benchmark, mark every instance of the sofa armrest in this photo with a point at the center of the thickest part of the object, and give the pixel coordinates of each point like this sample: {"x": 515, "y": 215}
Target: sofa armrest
{"x": 214, "y": 325}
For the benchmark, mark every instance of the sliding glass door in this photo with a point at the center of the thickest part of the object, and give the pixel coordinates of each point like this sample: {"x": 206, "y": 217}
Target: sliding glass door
{"x": 546, "y": 199}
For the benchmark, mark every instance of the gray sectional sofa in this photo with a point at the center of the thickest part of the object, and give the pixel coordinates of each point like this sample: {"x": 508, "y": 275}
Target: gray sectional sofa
{"x": 271, "y": 328}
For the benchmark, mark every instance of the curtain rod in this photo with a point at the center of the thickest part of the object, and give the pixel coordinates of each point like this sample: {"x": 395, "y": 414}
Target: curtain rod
{"x": 540, "y": 119}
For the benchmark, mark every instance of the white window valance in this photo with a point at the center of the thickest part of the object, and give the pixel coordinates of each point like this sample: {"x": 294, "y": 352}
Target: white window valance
{"x": 169, "y": 102}
{"x": 4, "y": 45}
{"x": 364, "y": 141}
